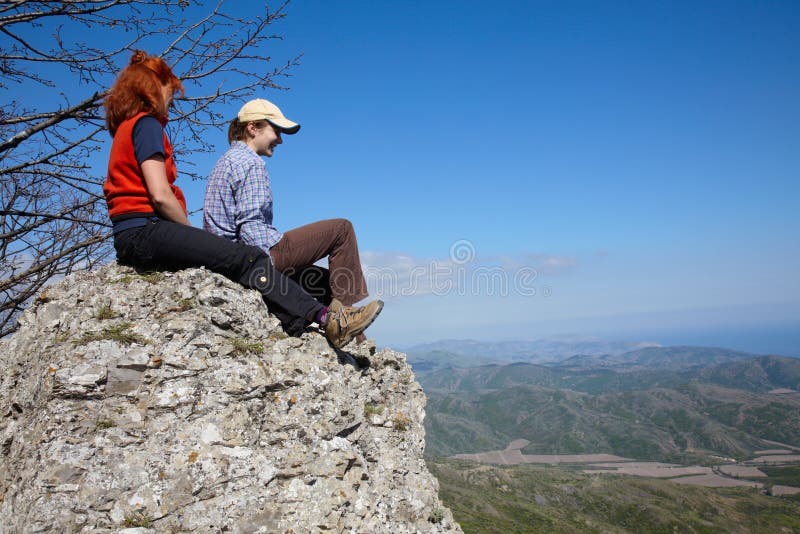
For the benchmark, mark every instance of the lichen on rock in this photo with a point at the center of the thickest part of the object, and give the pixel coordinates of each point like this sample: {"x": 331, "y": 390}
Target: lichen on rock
{"x": 175, "y": 402}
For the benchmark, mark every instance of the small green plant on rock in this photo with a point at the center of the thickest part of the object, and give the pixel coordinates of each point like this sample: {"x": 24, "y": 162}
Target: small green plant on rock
{"x": 119, "y": 333}
{"x": 278, "y": 335}
{"x": 102, "y": 424}
{"x": 105, "y": 312}
{"x": 153, "y": 277}
{"x": 242, "y": 346}
{"x": 401, "y": 422}
{"x": 61, "y": 337}
{"x": 137, "y": 520}
{"x": 436, "y": 516}
{"x": 372, "y": 408}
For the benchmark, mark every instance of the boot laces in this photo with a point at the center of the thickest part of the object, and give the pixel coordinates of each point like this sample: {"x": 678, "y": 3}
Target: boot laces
{"x": 344, "y": 317}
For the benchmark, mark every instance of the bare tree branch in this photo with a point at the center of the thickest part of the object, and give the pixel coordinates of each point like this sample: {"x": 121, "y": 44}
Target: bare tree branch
{"x": 74, "y": 112}
{"x": 61, "y": 9}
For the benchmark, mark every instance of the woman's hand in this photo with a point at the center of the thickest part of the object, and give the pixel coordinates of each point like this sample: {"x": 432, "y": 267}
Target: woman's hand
{"x": 164, "y": 201}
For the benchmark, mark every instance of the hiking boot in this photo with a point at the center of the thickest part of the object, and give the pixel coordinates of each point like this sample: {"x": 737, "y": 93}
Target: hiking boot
{"x": 335, "y": 305}
{"x": 346, "y": 323}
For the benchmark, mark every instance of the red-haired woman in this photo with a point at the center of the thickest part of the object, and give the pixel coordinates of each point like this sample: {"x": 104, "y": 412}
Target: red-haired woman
{"x": 148, "y": 212}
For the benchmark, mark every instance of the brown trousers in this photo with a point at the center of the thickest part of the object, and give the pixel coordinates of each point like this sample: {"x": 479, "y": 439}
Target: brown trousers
{"x": 297, "y": 251}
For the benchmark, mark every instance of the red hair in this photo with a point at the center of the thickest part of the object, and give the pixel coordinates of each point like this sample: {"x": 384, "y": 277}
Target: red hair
{"x": 138, "y": 89}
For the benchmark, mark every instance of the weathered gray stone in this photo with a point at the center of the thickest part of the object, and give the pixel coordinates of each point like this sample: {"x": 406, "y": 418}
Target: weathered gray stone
{"x": 188, "y": 409}
{"x": 122, "y": 381}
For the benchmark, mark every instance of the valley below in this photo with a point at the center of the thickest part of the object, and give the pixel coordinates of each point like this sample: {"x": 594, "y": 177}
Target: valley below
{"x": 744, "y": 474}
{"x": 565, "y": 498}
{"x": 613, "y": 442}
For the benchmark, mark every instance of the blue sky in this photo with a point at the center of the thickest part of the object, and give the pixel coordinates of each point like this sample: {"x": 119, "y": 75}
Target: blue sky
{"x": 642, "y": 157}
{"x": 625, "y": 169}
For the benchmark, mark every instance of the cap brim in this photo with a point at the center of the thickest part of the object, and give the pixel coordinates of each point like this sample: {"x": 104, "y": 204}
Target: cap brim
{"x": 285, "y": 126}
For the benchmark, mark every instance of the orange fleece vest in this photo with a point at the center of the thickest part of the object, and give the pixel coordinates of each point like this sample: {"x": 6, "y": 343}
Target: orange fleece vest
{"x": 125, "y": 188}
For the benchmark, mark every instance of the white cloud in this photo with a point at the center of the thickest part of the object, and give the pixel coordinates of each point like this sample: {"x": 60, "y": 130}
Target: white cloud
{"x": 392, "y": 274}
{"x": 543, "y": 263}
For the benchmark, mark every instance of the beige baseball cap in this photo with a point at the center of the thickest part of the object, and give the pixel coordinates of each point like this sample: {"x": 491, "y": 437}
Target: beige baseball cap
{"x": 260, "y": 109}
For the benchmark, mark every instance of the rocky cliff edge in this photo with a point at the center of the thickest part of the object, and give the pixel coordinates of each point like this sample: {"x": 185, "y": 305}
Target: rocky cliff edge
{"x": 174, "y": 402}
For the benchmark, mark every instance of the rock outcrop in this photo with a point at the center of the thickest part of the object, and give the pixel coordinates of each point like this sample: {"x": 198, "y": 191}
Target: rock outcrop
{"x": 174, "y": 402}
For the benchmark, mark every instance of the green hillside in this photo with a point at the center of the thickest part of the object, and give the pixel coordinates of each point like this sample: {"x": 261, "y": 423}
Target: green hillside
{"x": 680, "y": 357}
{"x": 756, "y": 374}
{"x": 687, "y": 405}
{"x": 494, "y": 377}
{"x": 525, "y": 498}
{"x": 692, "y": 422}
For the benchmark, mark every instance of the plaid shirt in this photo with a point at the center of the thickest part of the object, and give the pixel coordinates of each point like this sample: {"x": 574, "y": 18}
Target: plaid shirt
{"x": 238, "y": 201}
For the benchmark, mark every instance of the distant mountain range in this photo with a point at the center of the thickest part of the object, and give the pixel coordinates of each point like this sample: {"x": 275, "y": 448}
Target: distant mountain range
{"x": 658, "y": 403}
{"x": 666, "y": 358}
{"x": 568, "y": 352}
{"x": 470, "y": 353}
{"x": 665, "y": 367}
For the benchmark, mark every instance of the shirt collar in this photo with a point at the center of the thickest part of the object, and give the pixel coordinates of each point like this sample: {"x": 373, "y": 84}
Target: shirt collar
{"x": 242, "y": 145}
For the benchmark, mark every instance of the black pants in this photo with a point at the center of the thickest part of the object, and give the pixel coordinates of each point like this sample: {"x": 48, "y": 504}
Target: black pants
{"x": 167, "y": 245}
{"x": 315, "y": 280}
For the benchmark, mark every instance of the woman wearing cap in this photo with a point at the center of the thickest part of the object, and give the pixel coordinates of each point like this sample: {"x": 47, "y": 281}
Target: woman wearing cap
{"x": 148, "y": 212}
{"x": 238, "y": 206}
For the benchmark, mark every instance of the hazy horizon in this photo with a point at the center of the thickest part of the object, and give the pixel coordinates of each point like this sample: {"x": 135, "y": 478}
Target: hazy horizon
{"x": 780, "y": 338}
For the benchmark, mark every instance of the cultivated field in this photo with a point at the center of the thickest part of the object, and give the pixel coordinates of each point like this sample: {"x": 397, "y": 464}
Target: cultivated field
{"x": 715, "y": 481}
{"x": 654, "y": 470}
{"x": 511, "y": 455}
{"x": 785, "y": 490}
{"x": 725, "y": 475}
{"x": 775, "y": 459}
{"x": 741, "y": 471}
